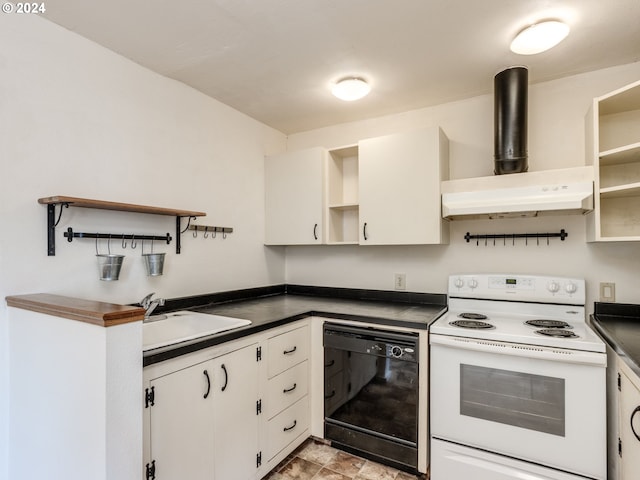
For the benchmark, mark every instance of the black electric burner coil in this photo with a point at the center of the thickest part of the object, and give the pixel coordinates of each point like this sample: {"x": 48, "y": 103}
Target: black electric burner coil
{"x": 543, "y": 323}
{"x": 472, "y": 316}
{"x": 471, "y": 324}
{"x": 557, "y": 332}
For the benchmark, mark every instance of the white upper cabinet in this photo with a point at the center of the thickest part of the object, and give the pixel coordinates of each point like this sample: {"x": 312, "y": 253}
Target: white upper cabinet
{"x": 382, "y": 191}
{"x": 613, "y": 147}
{"x": 294, "y": 197}
{"x": 399, "y": 188}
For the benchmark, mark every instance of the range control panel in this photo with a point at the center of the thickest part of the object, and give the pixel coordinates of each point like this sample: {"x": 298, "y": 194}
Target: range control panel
{"x": 527, "y": 288}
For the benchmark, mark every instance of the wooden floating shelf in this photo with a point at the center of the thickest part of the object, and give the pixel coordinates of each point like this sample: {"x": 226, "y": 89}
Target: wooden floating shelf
{"x": 65, "y": 201}
{"x": 121, "y": 207}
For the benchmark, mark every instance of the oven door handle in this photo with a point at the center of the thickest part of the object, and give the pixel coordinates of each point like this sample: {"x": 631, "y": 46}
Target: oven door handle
{"x": 520, "y": 350}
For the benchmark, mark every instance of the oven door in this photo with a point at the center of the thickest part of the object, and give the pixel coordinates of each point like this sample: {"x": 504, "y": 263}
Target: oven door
{"x": 542, "y": 405}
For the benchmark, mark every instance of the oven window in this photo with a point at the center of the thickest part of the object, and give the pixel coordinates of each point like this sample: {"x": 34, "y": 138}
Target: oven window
{"x": 534, "y": 402}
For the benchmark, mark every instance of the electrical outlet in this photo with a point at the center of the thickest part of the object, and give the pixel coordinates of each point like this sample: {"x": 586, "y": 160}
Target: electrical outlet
{"x": 400, "y": 281}
{"x": 607, "y": 292}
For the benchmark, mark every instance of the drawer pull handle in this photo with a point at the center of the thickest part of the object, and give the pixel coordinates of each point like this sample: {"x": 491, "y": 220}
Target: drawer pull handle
{"x": 315, "y": 231}
{"x": 287, "y": 390}
{"x": 330, "y": 364}
{"x": 633, "y": 414}
{"x": 287, "y": 352}
{"x": 332, "y": 394}
{"x": 286, "y": 429}
{"x": 226, "y": 377}
{"x": 206, "y": 374}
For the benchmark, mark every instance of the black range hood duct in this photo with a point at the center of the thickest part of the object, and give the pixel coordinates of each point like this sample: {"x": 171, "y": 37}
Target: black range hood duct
{"x": 510, "y": 121}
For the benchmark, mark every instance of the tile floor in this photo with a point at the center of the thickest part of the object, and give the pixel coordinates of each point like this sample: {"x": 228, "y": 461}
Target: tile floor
{"x": 318, "y": 461}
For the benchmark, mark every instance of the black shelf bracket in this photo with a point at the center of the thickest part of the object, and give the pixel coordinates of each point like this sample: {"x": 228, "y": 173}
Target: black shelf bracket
{"x": 52, "y": 223}
{"x": 179, "y": 230}
{"x": 562, "y": 234}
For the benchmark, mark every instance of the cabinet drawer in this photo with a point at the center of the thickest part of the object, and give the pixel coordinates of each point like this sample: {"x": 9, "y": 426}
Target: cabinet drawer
{"x": 287, "y": 388}
{"x": 287, "y": 350}
{"x": 285, "y": 427}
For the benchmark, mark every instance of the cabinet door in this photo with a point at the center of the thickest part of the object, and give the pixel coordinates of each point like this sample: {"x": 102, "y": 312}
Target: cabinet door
{"x": 181, "y": 424}
{"x": 294, "y": 200}
{"x": 399, "y": 186}
{"x": 236, "y": 418}
{"x": 629, "y": 428}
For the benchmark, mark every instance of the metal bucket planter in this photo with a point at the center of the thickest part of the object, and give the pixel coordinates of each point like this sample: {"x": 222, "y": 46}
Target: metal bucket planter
{"x": 109, "y": 264}
{"x": 154, "y": 262}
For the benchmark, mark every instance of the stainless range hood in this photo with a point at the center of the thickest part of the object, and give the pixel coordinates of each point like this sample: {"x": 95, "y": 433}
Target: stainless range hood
{"x": 560, "y": 192}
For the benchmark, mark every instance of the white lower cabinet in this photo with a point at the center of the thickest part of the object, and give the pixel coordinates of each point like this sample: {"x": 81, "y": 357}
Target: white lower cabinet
{"x": 629, "y": 443}
{"x": 233, "y": 411}
{"x": 623, "y": 417}
{"x": 203, "y": 422}
{"x": 181, "y": 422}
{"x": 235, "y": 422}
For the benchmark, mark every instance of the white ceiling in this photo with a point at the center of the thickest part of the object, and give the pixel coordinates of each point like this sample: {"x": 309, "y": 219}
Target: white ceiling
{"x": 276, "y": 59}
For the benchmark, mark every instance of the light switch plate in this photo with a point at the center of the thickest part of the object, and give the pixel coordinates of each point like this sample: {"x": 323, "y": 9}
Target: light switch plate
{"x": 607, "y": 292}
{"x": 400, "y": 281}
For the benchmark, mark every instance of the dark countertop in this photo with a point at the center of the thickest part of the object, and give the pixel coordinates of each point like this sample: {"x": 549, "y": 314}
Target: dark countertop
{"x": 275, "y": 306}
{"x": 619, "y": 324}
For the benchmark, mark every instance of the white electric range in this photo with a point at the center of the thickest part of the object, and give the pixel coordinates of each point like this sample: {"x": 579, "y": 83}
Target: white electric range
{"x": 517, "y": 381}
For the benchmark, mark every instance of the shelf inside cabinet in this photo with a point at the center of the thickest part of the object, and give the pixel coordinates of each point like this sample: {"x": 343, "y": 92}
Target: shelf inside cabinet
{"x": 620, "y": 155}
{"x": 622, "y": 100}
{"x": 621, "y": 191}
{"x": 67, "y": 201}
{"x": 342, "y": 196}
{"x": 619, "y": 118}
{"x": 343, "y": 225}
{"x": 620, "y": 217}
{"x": 344, "y": 206}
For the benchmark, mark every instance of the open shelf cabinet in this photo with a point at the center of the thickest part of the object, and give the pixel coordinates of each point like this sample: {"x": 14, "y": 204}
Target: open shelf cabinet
{"x": 342, "y": 196}
{"x": 613, "y": 143}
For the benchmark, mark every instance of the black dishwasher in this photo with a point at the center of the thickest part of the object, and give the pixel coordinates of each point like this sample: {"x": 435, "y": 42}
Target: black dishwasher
{"x": 371, "y": 393}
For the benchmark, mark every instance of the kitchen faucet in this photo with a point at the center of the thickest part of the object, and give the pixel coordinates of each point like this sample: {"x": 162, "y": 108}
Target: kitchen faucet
{"x": 150, "y": 305}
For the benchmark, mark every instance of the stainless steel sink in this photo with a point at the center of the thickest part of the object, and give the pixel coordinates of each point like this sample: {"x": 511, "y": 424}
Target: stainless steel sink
{"x": 170, "y": 328}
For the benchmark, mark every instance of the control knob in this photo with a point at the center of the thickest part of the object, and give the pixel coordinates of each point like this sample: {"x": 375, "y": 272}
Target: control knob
{"x": 553, "y": 287}
{"x": 473, "y": 283}
{"x": 459, "y": 283}
{"x": 571, "y": 287}
{"x": 396, "y": 351}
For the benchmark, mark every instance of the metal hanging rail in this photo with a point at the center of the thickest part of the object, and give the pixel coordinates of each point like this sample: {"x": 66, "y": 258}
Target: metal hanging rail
{"x": 562, "y": 234}
{"x": 70, "y": 235}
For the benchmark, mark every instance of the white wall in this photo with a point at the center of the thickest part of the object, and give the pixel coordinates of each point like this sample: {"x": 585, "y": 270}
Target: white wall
{"x": 79, "y": 120}
{"x": 557, "y": 112}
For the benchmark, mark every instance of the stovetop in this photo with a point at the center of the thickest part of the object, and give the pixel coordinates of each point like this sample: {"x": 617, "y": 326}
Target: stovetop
{"x": 479, "y": 301}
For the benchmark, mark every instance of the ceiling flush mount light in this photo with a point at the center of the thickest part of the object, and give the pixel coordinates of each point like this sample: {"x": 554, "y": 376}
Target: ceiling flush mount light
{"x": 350, "y": 89}
{"x": 539, "y": 37}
